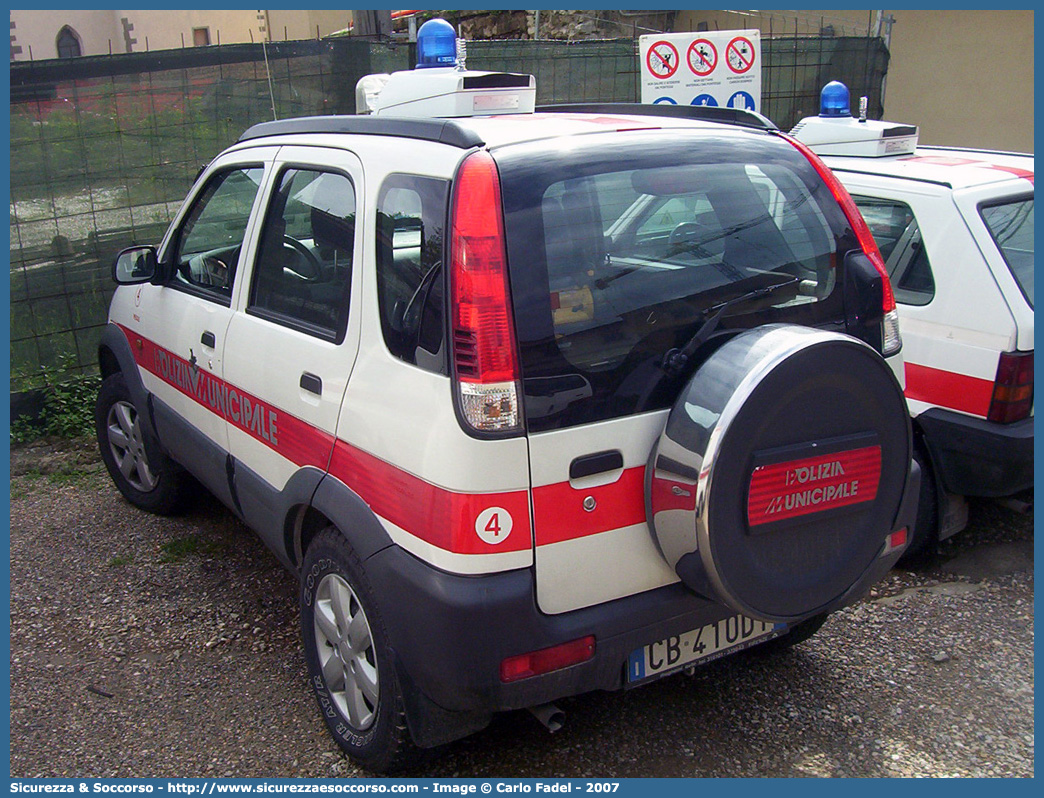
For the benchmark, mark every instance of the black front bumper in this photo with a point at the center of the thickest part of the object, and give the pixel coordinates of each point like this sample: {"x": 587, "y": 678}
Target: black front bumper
{"x": 975, "y": 457}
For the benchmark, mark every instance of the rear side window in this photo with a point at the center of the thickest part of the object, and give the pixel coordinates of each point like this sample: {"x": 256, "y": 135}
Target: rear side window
{"x": 621, "y": 246}
{"x": 898, "y": 236}
{"x": 1011, "y": 225}
{"x": 411, "y": 220}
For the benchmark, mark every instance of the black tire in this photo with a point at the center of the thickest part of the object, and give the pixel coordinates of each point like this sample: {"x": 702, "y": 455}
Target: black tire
{"x": 798, "y": 633}
{"x": 354, "y": 677}
{"x": 149, "y": 480}
{"x": 924, "y": 537}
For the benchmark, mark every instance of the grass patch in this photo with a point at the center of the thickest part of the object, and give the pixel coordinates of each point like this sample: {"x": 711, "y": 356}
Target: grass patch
{"x": 119, "y": 560}
{"x": 69, "y": 475}
{"x": 178, "y": 549}
{"x": 68, "y": 406}
{"x": 20, "y": 489}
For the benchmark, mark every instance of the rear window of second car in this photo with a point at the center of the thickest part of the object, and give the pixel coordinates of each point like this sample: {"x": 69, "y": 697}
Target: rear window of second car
{"x": 1011, "y": 224}
{"x": 620, "y": 245}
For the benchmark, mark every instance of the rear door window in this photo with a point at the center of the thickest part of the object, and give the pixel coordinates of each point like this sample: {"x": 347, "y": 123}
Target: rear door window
{"x": 621, "y": 247}
{"x": 303, "y": 272}
{"x": 411, "y": 218}
{"x": 898, "y": 236}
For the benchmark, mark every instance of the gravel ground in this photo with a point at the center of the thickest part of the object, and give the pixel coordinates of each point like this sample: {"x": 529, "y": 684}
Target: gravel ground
{"x": 152, "y": 647}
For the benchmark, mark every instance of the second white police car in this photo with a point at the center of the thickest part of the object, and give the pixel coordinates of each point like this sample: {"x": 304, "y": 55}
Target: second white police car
{"x": 955, "y": 227}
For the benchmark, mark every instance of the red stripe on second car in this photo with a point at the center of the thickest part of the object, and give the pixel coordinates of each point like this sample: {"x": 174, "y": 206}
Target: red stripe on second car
{"x": 948, "y": 389}
{"x": 1025, "y": 174}
{"x": 939, "y": 160}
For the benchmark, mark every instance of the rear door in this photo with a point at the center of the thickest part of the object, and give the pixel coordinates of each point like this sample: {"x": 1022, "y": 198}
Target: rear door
{"x": 292, "y": 342}
{"x": 617, "y": 256}
{"x": 953, "y": 317}
{"x": 1001, "y": 221}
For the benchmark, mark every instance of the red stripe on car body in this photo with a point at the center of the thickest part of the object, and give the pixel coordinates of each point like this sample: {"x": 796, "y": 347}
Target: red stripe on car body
{"x": 436, "y": 515}
{"x": 441, "y": 517}
{"x": 948, "y": 389}
{"x": 559, "y": 514}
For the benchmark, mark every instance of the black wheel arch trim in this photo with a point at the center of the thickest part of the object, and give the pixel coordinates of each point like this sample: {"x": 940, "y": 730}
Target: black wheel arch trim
{"x": 280, "y": 516}
{"x": 351, "y": 515}
{"x": 923, "y": 448}
{"x": 114, "y": 342}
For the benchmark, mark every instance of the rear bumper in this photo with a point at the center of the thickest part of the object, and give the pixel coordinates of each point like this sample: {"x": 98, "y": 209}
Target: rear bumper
{"x": 450, "y": 633}
{"x": 975, "y": 457}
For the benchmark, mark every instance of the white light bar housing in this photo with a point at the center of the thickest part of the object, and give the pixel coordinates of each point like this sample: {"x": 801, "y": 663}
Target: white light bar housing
{"x": 449, "y": 92}
{"x": 852, "y": 137}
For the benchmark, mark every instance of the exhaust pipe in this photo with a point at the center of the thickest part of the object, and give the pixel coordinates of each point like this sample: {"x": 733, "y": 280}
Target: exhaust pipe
{"x": 1021, "y": 503}
{"x": 549, "y": 715}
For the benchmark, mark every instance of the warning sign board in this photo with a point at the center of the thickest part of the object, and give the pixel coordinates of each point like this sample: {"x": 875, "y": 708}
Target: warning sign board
{"x": 720, "y": 68}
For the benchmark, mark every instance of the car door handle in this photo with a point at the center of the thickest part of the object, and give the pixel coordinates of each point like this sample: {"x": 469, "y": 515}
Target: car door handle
{"x": 597, "y": 463}
{"x": 208, "y": 339}
{"x": 312, "y": 384}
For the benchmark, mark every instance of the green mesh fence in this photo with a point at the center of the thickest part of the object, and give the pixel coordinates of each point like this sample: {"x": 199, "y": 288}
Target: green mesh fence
{"x": 104, "y": 148}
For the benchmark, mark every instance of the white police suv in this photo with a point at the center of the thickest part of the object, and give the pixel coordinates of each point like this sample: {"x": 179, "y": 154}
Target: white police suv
{"x": 534, "y": 402}
{"x": 955, "y": 227}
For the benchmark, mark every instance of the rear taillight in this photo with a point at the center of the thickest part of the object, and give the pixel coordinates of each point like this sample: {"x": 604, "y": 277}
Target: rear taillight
{"x": 546, "y": 660}
{"x": 891, "y": 341}
{"x": 485, "y": 362}
{"x": 1013, "y": 389}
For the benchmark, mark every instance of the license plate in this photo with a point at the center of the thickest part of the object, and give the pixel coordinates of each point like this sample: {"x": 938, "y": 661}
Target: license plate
{"x": 700, "y": 645}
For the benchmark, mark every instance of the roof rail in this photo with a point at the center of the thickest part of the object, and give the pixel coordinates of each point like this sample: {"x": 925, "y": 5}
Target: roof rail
{"x": 976, "y": 150}
{"x": 702, "y": 113}
{"x": 440, "y": 130}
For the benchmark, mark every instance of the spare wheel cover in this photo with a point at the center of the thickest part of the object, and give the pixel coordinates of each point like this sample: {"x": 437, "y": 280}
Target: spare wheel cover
{"x": 780, "y": 471}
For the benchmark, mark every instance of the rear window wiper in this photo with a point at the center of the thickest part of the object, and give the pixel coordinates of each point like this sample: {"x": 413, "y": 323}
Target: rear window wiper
{"x": 675, "y": 360}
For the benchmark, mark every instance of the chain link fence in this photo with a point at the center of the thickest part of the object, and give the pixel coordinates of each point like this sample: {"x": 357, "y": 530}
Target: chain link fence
{"x": 104, "y": 148}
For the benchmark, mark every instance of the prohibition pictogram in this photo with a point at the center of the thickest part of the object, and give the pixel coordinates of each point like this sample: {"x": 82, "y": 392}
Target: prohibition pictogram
{"x": 702, "y": 57}
{"x": 739, "y": 55}
{"x": 662, "y": 60}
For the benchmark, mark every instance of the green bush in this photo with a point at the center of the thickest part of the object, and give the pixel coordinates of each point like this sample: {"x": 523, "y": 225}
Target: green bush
{"x": 68, "y": 411}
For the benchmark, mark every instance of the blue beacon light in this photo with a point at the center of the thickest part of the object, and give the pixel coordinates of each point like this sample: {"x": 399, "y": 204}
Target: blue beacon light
{"x": 834, "y": 100}
{"x": 436, "y": 45}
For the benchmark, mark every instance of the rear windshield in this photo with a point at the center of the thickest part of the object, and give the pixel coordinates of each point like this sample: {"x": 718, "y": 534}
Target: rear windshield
{"x": 621, "y": 246}
{"x": 1011, "y": 225}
